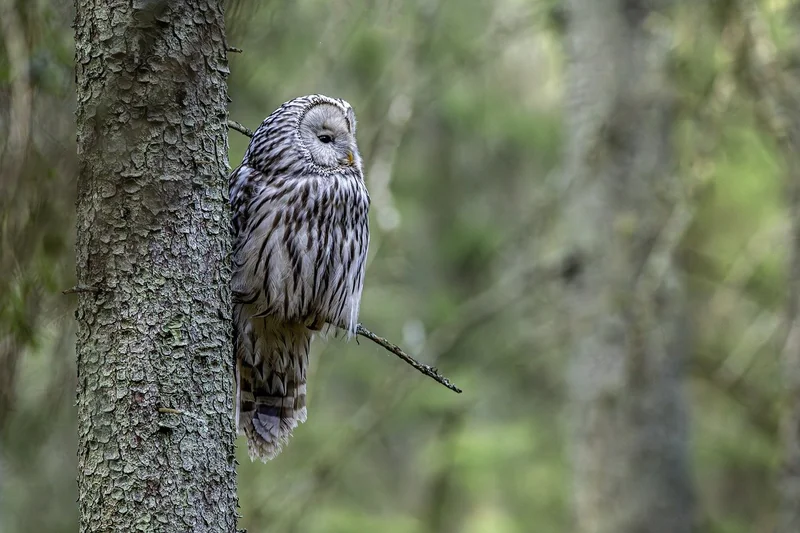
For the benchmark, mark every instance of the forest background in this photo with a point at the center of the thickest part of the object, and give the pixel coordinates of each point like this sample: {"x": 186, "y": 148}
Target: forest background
{"x": 462, "y": 126}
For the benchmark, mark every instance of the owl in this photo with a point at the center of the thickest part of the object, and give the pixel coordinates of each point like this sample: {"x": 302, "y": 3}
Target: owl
{"x": 300, "y": 239}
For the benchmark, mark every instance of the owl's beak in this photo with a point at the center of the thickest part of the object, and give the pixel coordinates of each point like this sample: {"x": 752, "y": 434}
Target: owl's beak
{"x": 349, "y": 160}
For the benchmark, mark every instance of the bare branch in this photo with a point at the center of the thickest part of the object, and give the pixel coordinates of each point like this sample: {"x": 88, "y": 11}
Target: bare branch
{"x": 234, "y": 50}
{"x": 232, "y": 124}
{"x": 81, "y": 288}
{"x": 428, "y": 370}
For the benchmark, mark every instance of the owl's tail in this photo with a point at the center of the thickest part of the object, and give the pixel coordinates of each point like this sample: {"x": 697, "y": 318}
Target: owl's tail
{"x": 271, "y": 384}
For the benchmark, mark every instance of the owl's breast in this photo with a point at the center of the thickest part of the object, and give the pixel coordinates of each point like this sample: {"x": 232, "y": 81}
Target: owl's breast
{"x": 308, "y": 249}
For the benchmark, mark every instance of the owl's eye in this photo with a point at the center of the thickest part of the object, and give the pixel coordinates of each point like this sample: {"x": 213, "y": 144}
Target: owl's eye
{"x": 325, "y": 139}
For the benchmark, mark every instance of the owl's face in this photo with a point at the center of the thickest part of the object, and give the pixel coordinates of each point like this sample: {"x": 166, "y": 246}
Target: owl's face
{"x": 328, "y": 132}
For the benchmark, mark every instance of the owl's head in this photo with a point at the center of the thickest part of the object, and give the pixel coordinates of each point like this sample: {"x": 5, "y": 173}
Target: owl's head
{"x": 327, "y": 131}
{"x": 310, "y": 130}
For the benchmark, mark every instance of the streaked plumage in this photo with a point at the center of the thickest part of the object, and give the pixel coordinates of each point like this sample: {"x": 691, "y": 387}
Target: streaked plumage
{"x": 300, "y": 234}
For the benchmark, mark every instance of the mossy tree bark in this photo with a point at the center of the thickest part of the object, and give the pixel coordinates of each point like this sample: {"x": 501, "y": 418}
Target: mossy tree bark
{"x": 152, "y": 267}
{"x": 626, "y": 301}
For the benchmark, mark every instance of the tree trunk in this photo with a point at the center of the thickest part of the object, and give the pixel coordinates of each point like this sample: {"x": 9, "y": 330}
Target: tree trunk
{"x": 152, "y": 267}
{"x": 626, "y": 303}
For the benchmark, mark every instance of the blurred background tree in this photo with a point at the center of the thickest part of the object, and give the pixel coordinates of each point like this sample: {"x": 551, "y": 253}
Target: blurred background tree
{"x": 460, "y": 106}
{"x": 625, "y": 217}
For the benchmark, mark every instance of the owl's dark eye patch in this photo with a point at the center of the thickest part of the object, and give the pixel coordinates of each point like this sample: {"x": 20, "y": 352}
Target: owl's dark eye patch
{"x": 325, "y": 138}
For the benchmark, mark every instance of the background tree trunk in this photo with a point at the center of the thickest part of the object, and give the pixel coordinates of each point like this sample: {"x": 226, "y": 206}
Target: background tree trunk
{"x": 626, "y": 302}
{"x": 152, "y": 259}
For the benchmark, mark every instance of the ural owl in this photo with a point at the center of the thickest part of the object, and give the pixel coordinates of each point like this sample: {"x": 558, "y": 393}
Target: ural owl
{"x": 300, "y": 235}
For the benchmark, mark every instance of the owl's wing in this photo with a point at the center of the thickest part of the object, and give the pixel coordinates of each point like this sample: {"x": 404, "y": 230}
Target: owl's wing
{"x": 355, "y": 248}
{"x": 242, "y": 188}
{"x": 271, "y": 356}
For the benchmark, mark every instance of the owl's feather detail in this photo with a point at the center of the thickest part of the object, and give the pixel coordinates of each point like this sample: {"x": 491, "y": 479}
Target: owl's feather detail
{"x": 301, "y": 235}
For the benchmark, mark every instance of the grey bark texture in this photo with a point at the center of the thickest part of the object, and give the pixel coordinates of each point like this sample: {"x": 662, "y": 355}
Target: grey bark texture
{"x": 153, "y": 266}
{"x": 625, "y": 299}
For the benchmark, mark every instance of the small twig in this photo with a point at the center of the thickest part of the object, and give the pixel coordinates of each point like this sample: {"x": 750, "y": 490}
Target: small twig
{"x": 80, "y": 288}
{"x": 234, "y": 49}
{"x": 232, "y": 124}
{"x": 428, "y": 370}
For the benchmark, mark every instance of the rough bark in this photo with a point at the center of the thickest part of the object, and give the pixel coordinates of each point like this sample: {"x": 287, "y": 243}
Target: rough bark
{"x": 152, "y": 264}
{"x": 625, "y": 299}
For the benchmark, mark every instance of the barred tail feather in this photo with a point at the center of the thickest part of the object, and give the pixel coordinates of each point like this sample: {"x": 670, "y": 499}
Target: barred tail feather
{"x": 272, "y": 390}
